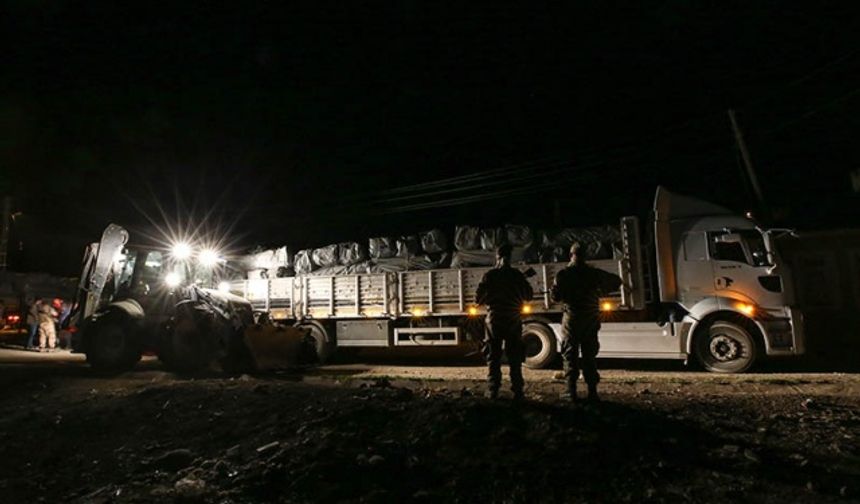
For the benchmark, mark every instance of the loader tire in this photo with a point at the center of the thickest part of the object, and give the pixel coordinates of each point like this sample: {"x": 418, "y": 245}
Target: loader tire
{"x": 187, "y": 346}
{"x": 322, "y": 342}
{"x": 112, "y": 345}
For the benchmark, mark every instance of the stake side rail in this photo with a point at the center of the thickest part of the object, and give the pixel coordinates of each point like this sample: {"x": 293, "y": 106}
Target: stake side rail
{"x": 443, "y": 292}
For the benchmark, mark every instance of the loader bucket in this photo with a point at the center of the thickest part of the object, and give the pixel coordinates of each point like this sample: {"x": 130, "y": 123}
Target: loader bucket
{"x": 275, "y": 346}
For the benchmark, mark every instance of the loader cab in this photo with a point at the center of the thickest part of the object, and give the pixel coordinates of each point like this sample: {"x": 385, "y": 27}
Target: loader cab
{"x": 153, "y": 278}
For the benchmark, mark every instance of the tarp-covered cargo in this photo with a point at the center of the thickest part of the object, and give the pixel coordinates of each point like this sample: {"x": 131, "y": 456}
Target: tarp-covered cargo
{"x": 418, "y": 262}
{"x": 492, "y": 238}
{"x": 382, "y": 247}
{"x": 433, "y": 241}
{"x": 271, "y": 259}
{"x": 304, "y": 264}
{"x": 351, "y": 253}
{"x": 408, "y": 246}
{"x": 597, "y": 242}
{"x": 340, "y": 269}
{"x": 325, "y": 257}
{"x": 476, "y": 258}
{"x": 467, "y": 238}
{"x": 519, "y": 236}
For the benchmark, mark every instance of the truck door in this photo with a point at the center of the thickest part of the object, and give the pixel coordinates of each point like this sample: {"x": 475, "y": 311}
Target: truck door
{"x": 694, "y": 270}
{"x": 740, "y": 268}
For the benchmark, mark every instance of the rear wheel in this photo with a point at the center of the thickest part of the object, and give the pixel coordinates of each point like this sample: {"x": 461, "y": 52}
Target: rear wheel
{"x": 112, "y": 345}
{"x": 540, "y": 344}
{"x": 726, "y": 346}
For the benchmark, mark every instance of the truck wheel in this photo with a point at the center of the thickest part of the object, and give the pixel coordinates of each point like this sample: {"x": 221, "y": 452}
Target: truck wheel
{"x": 540, "y": 345}
{"x": 323, "y": 344}
{"x": 726, "y": 346}
{"x": 111, "y": 346}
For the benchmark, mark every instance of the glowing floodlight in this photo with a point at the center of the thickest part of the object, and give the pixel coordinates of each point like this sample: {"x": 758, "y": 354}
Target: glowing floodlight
{"x": 181, "y": 250}
{"x": 172, "y": 279}
{"x": 208, "y": 258}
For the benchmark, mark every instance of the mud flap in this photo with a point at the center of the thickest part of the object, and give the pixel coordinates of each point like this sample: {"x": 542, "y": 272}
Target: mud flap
{"x": 277, "y": 347}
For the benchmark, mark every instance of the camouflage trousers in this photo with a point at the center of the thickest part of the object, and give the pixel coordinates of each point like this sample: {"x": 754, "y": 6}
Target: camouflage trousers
{"x": 509, "y": 336}
{"x": 579, "y": 337}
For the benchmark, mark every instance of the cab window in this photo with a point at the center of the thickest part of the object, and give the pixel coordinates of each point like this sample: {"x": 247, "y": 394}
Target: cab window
{"x": 151, "y": 270}
{"x": 745, "y": 246}
{"x": 728, "y": 251}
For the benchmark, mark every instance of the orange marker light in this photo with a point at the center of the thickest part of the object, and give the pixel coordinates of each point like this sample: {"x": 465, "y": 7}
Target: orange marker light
{"x": 473, "y": 310}
{"x": 606, "y": 306}
{"x": 417, "y": 312}
{"x": 747, "y": 309}
{"x": 527, "y": 308}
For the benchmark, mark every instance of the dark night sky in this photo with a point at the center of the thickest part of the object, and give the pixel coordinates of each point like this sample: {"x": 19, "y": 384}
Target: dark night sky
{"x": 298, "y": 123}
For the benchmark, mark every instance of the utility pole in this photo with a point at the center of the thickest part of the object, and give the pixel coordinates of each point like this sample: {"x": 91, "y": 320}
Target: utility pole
{"x": 4, "y": 231}
{"x": 745, "y": 155}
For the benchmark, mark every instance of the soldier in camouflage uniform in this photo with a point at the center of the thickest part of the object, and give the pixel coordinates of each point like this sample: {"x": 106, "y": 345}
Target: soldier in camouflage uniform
{"x": 579, "y": 287}
{"x": 504, "y": 290}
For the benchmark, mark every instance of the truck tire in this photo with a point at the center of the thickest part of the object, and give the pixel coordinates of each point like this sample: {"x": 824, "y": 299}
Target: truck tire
{"x": 111, "y": 345}
{"x": 540, "y": 343}
{"x": 726, "y": 345}
{"x": 322, "y": 342}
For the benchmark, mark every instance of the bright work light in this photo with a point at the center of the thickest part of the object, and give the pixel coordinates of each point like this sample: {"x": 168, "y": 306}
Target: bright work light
{"x": 224, "y": 286}
{"x": 208, "y": 258}
{"x": 172, "y": 279}
{"x": 181, "y": 250}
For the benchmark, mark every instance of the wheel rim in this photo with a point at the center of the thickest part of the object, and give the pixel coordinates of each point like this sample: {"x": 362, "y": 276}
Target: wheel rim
{"x": 728, "y": 348}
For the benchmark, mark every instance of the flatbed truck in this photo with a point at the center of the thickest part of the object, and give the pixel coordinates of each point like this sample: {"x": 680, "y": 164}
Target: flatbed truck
{"x": 699, "y": 281}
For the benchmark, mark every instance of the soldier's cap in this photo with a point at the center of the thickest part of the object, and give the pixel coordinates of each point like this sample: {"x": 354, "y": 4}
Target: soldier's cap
{"x": 504, "y": 250}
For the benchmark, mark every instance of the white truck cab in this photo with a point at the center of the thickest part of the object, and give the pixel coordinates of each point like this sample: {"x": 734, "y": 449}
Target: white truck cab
{"x": 721, "y": 278}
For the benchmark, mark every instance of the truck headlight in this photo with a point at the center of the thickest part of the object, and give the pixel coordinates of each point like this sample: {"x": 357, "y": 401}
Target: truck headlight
{"x": 224, "y": 286}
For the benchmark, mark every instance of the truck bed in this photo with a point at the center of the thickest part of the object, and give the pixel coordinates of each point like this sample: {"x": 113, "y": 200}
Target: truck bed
{"x": 440, "y": 292}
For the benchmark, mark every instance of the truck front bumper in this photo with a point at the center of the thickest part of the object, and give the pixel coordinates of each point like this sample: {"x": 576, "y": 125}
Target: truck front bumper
{"x": 785, "y": 336}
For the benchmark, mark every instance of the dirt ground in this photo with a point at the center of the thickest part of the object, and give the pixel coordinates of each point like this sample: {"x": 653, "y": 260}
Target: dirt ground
{"x": 392, "y": 433}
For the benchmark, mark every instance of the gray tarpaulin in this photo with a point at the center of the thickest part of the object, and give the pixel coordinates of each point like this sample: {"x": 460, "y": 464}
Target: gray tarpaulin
{"x": 474, "y": 258}
{"x": 352, "y": 269}
{"x": 408, "y": 246}
{"x": 433, "y": 241}
{"x": 351, "y": 253}
{"x": 598, "y": 242}
{"x": 492, "y": 238}
{"x": 382, "y": 247}
{"x": 519, "y": 236}
{"x": 467, "y": 238}
{"x": 418, "y": 262}
{"x": 304, "y": 264}
{"x": 325, "y": 257}
{"x": 271, "y": 259}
